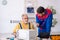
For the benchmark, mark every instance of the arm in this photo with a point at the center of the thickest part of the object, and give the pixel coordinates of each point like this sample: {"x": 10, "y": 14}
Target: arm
{"x": 15, "y": 29}
{"x": 49, "y": 23}
{"x": 37, "y": 21}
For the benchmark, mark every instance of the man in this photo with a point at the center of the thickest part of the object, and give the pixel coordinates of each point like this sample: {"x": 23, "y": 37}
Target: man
{"x": 24, "y": 24}
{"x": 44, "y": 21}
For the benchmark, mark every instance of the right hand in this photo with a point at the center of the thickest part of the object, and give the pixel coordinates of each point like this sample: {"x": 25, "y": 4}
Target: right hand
{"x": 37, "y": 24}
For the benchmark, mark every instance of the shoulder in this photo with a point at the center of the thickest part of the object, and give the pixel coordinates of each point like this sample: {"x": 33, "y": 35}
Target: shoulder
{"x": 17, "y": 25}
{"x": 49, "y": 11}
{"x": 31, "y": 24}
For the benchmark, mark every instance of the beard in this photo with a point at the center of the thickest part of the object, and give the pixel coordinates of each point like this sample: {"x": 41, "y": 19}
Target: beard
{"x": 24, "y": 21}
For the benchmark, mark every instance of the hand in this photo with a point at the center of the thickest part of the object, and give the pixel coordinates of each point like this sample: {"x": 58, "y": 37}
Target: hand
{"x": 37, "y": 24}
{"x": 14, "y": 34}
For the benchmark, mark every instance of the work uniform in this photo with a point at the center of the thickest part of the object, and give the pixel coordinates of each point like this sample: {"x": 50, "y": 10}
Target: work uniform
{"x": 24, "y": 26}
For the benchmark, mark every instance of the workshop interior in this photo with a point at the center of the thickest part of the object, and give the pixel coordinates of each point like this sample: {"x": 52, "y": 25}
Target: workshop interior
{"x": 12, "y": 10}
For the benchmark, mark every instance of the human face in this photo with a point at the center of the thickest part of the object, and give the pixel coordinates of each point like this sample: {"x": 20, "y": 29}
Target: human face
{"x": 25, "y": 19}
{"x": 41, "y": 14}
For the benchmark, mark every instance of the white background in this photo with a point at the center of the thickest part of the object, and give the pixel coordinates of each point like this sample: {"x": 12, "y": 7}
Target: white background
{"x": 11, "y": 11}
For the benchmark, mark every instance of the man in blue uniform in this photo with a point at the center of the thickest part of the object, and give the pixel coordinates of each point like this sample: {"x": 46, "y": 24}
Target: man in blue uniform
{"x": 44, "y": 21}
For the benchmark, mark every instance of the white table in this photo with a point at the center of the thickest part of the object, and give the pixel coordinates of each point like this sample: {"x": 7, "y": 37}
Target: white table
{"x": 3, "y": 36}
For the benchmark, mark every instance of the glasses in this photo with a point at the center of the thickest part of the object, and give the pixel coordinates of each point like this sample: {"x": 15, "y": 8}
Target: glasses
{"x": 25, "y": 18}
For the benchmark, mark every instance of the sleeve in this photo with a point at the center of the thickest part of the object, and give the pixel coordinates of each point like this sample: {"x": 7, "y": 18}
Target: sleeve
{"x": 49, "y": 23}
{"x": 17, "y": 27}
{"x": 37, "y": 20}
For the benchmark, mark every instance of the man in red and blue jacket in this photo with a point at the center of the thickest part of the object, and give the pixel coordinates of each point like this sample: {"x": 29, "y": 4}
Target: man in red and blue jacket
{"x": 44, "y": 19}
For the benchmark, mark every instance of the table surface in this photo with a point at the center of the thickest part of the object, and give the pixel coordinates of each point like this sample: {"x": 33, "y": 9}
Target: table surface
{"x": 3, "y": 36}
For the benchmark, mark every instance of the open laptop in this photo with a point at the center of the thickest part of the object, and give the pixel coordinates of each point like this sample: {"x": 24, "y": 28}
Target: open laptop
{"x": 26, "y": 34}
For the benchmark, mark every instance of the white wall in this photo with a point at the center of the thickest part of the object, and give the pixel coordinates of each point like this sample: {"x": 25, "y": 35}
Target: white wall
{"x": 56, "y": 5}
{"x": 14, "y": 9}
{"x": 11, "y": 11}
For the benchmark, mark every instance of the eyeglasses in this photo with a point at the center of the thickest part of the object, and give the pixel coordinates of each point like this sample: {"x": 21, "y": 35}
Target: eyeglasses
{"x": 25, "y": 18}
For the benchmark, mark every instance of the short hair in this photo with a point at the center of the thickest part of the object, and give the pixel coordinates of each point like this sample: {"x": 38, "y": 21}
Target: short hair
{"x": 40, "y": 10}
{"x": 24, "y": 15}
